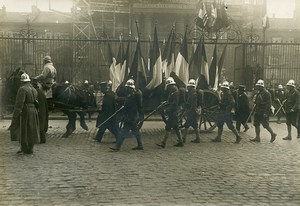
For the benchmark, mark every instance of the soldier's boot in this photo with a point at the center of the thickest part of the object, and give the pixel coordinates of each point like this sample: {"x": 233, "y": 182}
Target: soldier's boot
{"x": 257, "y": 133}
{"x": 180, "y": 142}
{"x": 197, "y": 140}
{"x": 289, "y": 136}
{"x": 163, "y": 143}
{"x": 273, "y": 135}
{"x": 246, "y": 127}
{"x": 218, "y": 138}
{"x": 42, "y": 137}
{"x": 185, "y": 132}
{"x": 238, "y": 137}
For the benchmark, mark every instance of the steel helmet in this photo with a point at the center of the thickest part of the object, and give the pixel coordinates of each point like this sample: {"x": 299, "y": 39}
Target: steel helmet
{"x": 47, "y": 58}
{"x": 260, "y": 83}
{"x": 291, "y": 83}
{"x": 192, "y": 83}
{"x": 67, "y": 82}
{"x": 86, "y": 81}
{"x": 25, "y": 78}
{"x": 130, "y": 83}
{"x": 280, "y": 86}
{"x": 225, "y": 85}
{"x": 170, "y": 80}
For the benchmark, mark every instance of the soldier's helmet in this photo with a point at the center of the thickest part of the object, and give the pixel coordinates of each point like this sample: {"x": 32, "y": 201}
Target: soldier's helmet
{"x": 170, "y": 81}
{"x": 25, "y": 78}
{"x": 67, "y": 82}
{"x": 225, "y": 85}
{"x": 291, "y": 83}
{"x": 260, "y": 83}
{"x": 86, "y": 81}
{"x": 192, "y": 83}
{"x": 280, "y": 86}
{"x": 47, "y": 58}
{"x": 130, "y": 83}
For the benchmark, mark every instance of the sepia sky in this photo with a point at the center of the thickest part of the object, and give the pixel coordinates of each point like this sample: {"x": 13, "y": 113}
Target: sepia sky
{"x": 279, "y": 8}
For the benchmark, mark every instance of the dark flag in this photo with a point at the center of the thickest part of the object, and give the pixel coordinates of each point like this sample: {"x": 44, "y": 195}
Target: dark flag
{"x": 222, "y": 20}
{"x": 213, "y": 71}
{"x": 119, "y": 76}
{"x": 195, "y": 63}
{"x": 168, "y": 56}
{"x": 112, "y": 63}
{"x": 204, "y": 76}
{"x": 125, "y": 65}
{"x": 221, "y": 62}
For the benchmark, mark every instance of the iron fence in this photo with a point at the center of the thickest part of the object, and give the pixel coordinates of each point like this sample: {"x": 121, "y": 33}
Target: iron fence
{"x": 77, "y": 60}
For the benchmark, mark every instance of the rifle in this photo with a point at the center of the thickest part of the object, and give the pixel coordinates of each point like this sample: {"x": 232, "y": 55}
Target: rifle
{"x": 109, "y": 118}
{"x": 281, "y": 107}
{"x": 251, "y": 113}
{"x": 151, "y": 113}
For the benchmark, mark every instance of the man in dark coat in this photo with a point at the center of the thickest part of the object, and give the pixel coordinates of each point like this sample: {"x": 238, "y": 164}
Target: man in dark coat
{"x": 242, "y": 109}
{"x": 25, "y": 116}
{"x": 225, "y": 116}
{"x": 192, "y": 111}
{"x": 291, "y": 108}
{"x": 108, "y": 108}
{"x": 42, "y": 111}
{"x": 132, "y": 111}
{"x": 170, "y": 113}
{"x": 262, "y": 109}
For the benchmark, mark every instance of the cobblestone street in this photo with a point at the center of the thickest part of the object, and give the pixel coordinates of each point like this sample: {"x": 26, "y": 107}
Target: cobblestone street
{"x": 78, "y": 171}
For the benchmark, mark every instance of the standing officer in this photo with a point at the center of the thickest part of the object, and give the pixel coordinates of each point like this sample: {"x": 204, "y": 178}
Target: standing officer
{"x": 47, "y": 77}
{"x": 279, "y": 97}
{"x": 242, "y": 108}
{"x": 226, "y": 105}
{"x": 132, "y": 111}
{"x": 291, "y": 108}
{"x": 262, "y": 109}
{"x": 192, "y": 111}
{"x": 170, "y": 113}
{"x": 108, "y": 108}
{"x": 26, "y": 115}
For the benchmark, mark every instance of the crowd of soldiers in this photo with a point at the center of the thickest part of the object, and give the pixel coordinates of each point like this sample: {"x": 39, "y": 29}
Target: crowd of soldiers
{"x": 127, "y": 101}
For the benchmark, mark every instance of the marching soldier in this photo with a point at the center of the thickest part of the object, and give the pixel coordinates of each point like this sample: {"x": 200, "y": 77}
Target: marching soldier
{"x": 47, "y": 77}
{"x": 192, "y": 111}
{"x": 108, "y": 109}
{"x": 291, "y": 108}
{"x": 262, "y": 109}
{"x": 226, "y": 105}
{"x": 170, "y": 113}
{"x": 132, "y": 111}
{"x": 279, "y": 97}
{"x": 242, "y": 108}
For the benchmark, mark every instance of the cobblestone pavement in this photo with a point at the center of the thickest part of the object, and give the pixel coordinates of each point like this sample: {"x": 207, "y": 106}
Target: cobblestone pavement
{"x": 78, "y": 171}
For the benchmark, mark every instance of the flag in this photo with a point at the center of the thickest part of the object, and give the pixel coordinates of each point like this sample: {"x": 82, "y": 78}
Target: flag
{"x": 125, "y": 65}
{"x": 112, "y": 63}
{"x": 204, "y": 75}
{"x": 181, "y": 64}
{"x": 265, "y": 19}
{"x": 202, "y": 18}
{"x": 168, "y": 56}
{"x": 213, "y": 71}
{"x": 213, "y": 15}
{"x": 138, "y": 68}
{"x": 195, "y": 63}
{"x": 221, "y": 62}
{"x": 155, "y": 64}
{"x": 222, "y": 18}
{"x": 118, "y": 68}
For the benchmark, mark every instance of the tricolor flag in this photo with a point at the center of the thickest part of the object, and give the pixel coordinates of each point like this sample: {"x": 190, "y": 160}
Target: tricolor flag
{"x": 265, "y": 19}
{"x": 213, "y": 71}
{"x": 125, "y": 65}
{"x": 202, "y": 18}
{"x": 155, "y": 64}
{"x": 138, "y": 68}
{"x": 221, "y": 62}
{"x": 222, "y": 18}
{"x": 182, "y": 65}
{"x": 118, "y": 68}
{"x": 112, "y": 63}
{"x": 204, "y": 75}
{"x": 168, "y": 56}
{"x": 195, "y": 63}
{"x": 213, "y": 15}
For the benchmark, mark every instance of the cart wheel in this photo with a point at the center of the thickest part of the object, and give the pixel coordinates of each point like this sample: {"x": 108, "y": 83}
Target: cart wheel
{"x": 209, "y": 111}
